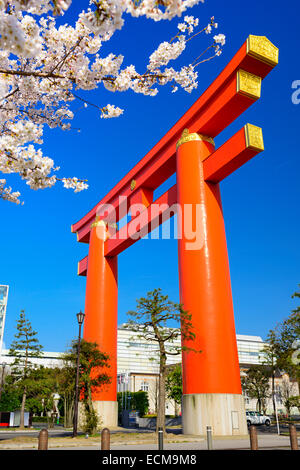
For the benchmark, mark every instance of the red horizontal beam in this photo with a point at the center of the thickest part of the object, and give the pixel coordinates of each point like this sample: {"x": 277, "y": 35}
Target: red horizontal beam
{"x": 82, "y": 267}
{"x": 216, "y": 108}
{"x": 149, "y": 219}
{"x": 233, "y": 154}
{"x": 229, "y": 157}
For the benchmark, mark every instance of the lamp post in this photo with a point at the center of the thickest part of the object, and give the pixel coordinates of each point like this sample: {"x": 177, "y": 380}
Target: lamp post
{"x": 80, "y": 319}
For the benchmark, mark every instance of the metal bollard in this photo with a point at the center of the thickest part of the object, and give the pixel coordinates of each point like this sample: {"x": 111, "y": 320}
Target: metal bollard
{"x": 43, "y": 440}
{"x": 105, "y": 439}
{"x": 160, "y": 439}
{"x": 293, "y": 437}
{"x": 209, "y": 437}
{"x": 253, "y": 437}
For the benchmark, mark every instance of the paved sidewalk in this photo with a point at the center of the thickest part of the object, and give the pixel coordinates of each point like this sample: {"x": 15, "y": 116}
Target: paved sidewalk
{"x": 265, "y": 442}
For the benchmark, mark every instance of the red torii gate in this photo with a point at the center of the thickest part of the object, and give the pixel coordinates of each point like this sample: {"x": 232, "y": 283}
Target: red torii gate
{"x": 212, "y": 392}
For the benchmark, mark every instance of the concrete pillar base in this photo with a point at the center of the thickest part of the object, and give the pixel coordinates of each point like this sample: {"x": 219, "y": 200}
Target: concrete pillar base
{"x": 224, "y": 412}
{"x": 107, "y": 412}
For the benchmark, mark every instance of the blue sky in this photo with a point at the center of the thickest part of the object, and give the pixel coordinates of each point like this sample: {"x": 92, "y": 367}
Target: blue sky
{"x": 39, "y": 253}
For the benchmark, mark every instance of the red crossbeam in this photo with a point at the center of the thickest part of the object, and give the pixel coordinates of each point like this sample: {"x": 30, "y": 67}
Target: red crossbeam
{"x": 233, "y": 154}
{"x": 226, "y": 159}
{"x": 216, "y": 108}
{"x": 162, "y": 209}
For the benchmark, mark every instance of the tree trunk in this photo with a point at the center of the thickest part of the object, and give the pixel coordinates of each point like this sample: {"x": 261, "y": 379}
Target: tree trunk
{"x": 160, "y": 422}
{"x": 273, "y": 393}
{"x": 156, "y": 396}
{"x": 22, "y": 409}
{"x": 259, "y": 405}
{"x": 161, "y": 412}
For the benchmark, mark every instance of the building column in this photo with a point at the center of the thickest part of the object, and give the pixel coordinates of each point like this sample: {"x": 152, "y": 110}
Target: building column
{"x": 212, "y": 394}
{"x": 101, "y": 316}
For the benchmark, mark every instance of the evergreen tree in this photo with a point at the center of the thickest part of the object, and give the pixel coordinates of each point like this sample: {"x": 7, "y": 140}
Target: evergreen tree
{"x": 271, "y": 360}
{"x": 93, "y": 374}
{"x": 24, "y": 347}
{"x": 256, "y": 385}
{"x": 284, "y": 340}
{"x": 42, "y": 385}
{"x": 174, "y": 385}
{"x": 150, "y": 321}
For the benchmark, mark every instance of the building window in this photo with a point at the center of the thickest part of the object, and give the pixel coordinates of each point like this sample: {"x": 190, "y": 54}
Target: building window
{"x": 145, "y": 386}
{"x": 246, "y": 398}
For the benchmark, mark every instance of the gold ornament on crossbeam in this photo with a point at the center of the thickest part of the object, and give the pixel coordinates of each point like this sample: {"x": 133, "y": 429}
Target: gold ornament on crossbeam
{"x": 187, "y": 137}
{"x": 97, "y": 222}
{"x": 248, "y": 84}
{"x": 254, "y": 137}
{"x": 262, "y": 49}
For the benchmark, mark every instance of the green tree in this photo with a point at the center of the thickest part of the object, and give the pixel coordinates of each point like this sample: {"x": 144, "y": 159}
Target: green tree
{"x": 66, "y": 388}
{"x": 256, "y": 385}
{"x": 11, "y": 398}
{"x": 43, "y": 385}
{"x": 92, "y": 376}
{"x": 150, "y": 321}
{"x": 24, "y": 347}
{"x": 271, "y": 360}
{"x": 294, "y": 402}
{"x": 174, "y": 385}
{"x": 285, "y": 341}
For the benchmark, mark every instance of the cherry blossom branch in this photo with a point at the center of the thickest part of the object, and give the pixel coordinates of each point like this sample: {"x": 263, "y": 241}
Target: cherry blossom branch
{"x": 42, "y": 66}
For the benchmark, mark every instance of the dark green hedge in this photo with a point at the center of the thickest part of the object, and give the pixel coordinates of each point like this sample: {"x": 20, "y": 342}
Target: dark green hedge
{"x": 138, "y": 402}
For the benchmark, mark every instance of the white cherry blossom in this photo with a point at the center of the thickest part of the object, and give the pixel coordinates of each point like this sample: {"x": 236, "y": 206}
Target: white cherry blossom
{"x": 44, "y": 65}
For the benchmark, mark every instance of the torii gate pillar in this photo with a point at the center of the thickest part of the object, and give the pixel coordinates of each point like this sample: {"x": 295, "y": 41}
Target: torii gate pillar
{"x": 212, "y": 393}
{"x": 101, "y": 317}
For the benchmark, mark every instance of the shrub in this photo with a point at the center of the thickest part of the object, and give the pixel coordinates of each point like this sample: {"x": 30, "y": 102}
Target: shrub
{"x": 139, "y": 401}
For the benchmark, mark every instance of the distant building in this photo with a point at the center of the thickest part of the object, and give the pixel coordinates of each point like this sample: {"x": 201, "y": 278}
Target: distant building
{"x": 47, "y": 359}
{"x": 138, "y": 367}
{"x": 3, "y": 304}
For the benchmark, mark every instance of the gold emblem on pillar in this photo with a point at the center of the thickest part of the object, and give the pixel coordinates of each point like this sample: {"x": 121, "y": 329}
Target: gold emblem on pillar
{"x": 254, "y": 137}
{"x": 262, "y": 49}
{"x": 97, "y": 222}
{"x": 132, "y": 185}
{"x": 187, "y": 137}
{"x": 248, "y": 84}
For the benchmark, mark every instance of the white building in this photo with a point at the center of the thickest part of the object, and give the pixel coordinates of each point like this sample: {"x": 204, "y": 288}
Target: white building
{"x": 138, "y": 367}
{"x": 139, "y": 357}
{"x": 47, "y": 359}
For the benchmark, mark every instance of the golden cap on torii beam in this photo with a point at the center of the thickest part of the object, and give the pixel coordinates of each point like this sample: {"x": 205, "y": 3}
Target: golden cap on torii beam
{"x": 254, "y": 137}
{"x": 248, "y": 84}
{"x": 97, "y": 222}
{"x": 262, "y": 49}
{"x": 187, "y": 137}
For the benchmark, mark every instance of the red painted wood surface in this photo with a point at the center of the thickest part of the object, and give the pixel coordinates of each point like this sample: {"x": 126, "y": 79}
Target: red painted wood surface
{"x": 214, "y": 110}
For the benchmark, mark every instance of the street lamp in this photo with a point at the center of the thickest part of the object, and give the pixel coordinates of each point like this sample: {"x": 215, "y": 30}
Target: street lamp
{"x": 80, "y": 319}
